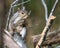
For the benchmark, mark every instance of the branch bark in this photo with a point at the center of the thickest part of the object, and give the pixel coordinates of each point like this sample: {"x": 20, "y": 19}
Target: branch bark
{"x": 52, "y": 38}
{"x": 47, "y": 27}
{"x": 52, "y": 34}
{"x": 9, "y": 41}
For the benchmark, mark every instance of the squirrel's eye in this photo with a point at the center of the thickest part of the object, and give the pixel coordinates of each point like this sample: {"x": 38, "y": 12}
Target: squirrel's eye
{"x": 22, "y": 13}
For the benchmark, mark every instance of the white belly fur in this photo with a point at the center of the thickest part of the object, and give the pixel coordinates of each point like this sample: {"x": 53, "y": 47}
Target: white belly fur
{"x": 23, "y": 32}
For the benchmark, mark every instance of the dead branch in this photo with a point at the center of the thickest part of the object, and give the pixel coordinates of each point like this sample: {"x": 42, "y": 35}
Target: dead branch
{"x": 9, "y": 41}
{"x": 54, "y": 40}
{"x": 36, "y": 38}
{"x": 47, "y": 27}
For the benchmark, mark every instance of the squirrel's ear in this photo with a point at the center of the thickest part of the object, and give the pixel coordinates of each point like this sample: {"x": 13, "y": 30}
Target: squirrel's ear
{"x": 29, "y": 12}
{"x": 18, "y": 9}
{"x": 23, "y": 8}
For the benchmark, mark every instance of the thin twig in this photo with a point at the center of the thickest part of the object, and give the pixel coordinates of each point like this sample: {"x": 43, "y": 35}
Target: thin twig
{"x": 46, "y": 10}
{"x": 53, "y": 7}
{"x": 21, "y": 3}
{"x": 9, "y": 13}
{"x": 8, "y": 17}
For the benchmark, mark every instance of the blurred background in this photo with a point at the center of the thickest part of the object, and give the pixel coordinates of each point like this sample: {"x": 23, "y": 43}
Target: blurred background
{"x": 36, "y": 21}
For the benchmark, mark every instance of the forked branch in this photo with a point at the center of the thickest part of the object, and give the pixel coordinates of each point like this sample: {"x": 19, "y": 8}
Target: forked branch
{"x": 44, "y": 33}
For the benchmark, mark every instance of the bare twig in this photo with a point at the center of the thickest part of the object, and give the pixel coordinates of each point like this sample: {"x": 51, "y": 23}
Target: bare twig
{"x": 53, "y": 7}
{"x": 46, "y": 10}
{"x": 47, "y": 27}
{"x": 8, "y": 17}
{"x": 21, "y": 3}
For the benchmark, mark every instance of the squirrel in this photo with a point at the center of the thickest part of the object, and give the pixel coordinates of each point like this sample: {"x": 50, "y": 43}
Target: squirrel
{"x": 17, "y": 20}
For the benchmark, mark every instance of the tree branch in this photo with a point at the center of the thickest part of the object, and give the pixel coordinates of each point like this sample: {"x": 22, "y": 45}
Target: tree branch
{"x": 35, "y": 38}
{"x": 47, "y": 27}
{"x": 52, "y": 38}
{"x": 9, "y": 41}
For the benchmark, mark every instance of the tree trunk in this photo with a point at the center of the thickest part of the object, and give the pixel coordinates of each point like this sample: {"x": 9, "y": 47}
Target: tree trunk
{"x": 2, "y": 21}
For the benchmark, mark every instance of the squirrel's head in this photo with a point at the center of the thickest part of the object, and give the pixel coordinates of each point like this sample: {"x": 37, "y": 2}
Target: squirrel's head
{"x": 23, "y": 12}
